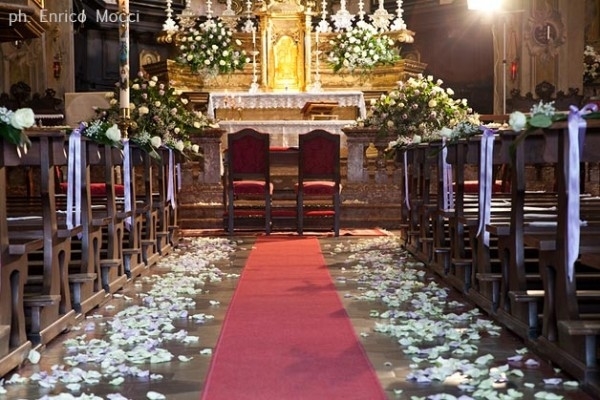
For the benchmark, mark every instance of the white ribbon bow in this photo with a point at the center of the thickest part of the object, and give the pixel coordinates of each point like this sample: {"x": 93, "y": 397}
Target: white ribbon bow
{"x": 486, "y": 158}
{"x": 73, "y": 214}
{"x": 127, "y": 182}
{"x": 577, "y": 126}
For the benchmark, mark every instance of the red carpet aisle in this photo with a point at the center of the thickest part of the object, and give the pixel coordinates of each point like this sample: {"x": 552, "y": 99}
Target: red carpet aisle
{"x": 286, "y": 335}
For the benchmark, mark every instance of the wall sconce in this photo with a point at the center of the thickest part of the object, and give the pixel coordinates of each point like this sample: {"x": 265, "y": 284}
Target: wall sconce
{"x": 514, "y": 69}
{"x": 57, "y": 67}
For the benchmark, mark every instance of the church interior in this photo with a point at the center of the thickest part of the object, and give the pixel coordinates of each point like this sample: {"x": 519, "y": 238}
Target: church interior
{"x": 299, "y": 199}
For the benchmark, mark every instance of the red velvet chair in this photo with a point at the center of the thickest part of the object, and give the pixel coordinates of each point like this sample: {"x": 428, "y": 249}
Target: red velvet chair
{"x": 318, "y": 190}
{"x": 248, "y": 186}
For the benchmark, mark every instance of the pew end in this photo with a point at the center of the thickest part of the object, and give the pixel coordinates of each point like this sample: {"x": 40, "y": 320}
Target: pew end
{"x": 532, "y": 298}
{"x": 590, "y": 329}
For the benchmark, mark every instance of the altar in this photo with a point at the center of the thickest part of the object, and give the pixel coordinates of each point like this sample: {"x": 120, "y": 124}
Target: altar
{"x": 282, "y": 106}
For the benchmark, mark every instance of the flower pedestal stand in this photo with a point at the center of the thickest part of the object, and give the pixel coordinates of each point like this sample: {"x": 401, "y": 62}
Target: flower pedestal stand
{"x": 200, "y": 199}
{"x": 371, "y": 195}
{"x": 359, "y": 140}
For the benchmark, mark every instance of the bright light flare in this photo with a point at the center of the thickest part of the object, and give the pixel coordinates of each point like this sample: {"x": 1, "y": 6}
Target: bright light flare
{"x": 484, "y": 5}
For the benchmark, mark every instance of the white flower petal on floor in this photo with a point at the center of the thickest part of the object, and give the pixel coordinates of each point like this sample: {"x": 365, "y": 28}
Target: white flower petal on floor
{"x": 138, "y": 334}
{"x": 155, "y": 396}
{"x": 34, "y": 356}
{"x": 427, "y": 325}
{"x": 547, "y": 396}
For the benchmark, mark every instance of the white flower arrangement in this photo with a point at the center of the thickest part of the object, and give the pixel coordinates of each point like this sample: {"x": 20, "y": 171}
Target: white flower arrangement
{"x": 542, "y": 115}
{"x": 160, "y": 116}
{"x": 209, "y": 48}
{"x": 417, "y": 111}
{"x": 12, "y": 124}
{"x": 360, "y": 49}
{"x": 591, "y": 64}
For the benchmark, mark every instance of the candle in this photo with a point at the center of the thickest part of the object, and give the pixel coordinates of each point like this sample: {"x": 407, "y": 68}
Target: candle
{"x": 124, "y": 56}
{"x": 253, "y": 35}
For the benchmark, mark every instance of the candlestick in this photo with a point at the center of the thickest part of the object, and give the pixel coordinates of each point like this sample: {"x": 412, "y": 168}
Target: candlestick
{"x": 254, "y": 85}
{"x": 124, "y": 58}
{"x": 361, "y": 10}
{"x": 209, "y": 8}
{"x": 399, "y": 9}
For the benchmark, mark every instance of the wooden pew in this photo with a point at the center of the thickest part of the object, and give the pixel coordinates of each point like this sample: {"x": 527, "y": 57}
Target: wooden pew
{"x": 418, "y": 195}
{"x": 47, "y": 303}
{"x": 166, "y": 208}
{"x": 144, "y": 208}
{"x": 115, "y": 257}
{"x": 14, "y": 345}
{"x": 86, "y": 265}
{"x": 128, "y": 221}
{"x": 565, "y": 337}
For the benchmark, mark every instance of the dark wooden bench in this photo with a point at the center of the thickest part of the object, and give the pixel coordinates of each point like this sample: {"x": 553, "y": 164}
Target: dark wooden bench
{"x": 47, "y": 306}
{"x": 14, "y": 344}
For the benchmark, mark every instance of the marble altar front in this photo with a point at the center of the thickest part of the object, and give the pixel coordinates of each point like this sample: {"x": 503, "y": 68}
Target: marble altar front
{"x": 283, "y": 106}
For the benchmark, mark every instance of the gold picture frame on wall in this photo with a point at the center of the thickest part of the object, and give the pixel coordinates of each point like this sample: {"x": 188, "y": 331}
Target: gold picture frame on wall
{"x": 39, "y": 3}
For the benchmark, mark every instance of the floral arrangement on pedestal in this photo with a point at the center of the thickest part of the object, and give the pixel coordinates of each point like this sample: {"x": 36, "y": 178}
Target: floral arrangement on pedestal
{"x": 360, "y": 49}
{"x": 159, "y": 116}
{"x": 12, "y": 124}
{"x": 209, "y": 48}
{"x": 591, "y": 64}
{"x": 420, "y": 110}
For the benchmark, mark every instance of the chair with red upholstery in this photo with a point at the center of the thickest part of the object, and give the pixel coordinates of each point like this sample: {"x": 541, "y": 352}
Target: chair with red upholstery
{"x": 318, "y": 190}
{"x": 248, "y": 188}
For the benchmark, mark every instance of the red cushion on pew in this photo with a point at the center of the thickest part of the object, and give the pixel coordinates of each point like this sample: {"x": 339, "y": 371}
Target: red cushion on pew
{"x": 250, "y": 187}
{"x": 319, "y": 188}
{"x": 473, "y": 187}
{"x": 319, "y": 213}
{"x": 97, "y": 189}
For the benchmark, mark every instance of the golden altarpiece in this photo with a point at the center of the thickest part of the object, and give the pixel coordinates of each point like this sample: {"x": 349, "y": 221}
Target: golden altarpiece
{"x": 283, "y": 36}
{"x": 287, "y": 56}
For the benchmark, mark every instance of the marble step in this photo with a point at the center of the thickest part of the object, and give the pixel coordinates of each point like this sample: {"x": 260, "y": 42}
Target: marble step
{"x": 206, "y": 216}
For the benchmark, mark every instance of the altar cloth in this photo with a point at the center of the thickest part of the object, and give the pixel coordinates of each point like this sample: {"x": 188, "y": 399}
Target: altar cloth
{"x": 246, "y": 100}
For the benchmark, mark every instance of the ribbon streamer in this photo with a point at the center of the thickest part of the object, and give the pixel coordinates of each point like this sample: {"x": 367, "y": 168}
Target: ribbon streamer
{"x": 127, "y": 182}
{"x": 448, "y": 189}
{"x": 171, "y": 180}
{"x": 73, "y": 213}
{"x": 406, "y": 195}
{"x": 577, "y": 126}
{"x": 486, "y": 154}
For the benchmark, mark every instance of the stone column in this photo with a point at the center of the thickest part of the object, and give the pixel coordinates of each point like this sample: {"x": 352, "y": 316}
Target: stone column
{"x": 358, "y": 139}
{"x": 210, "y": 143}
